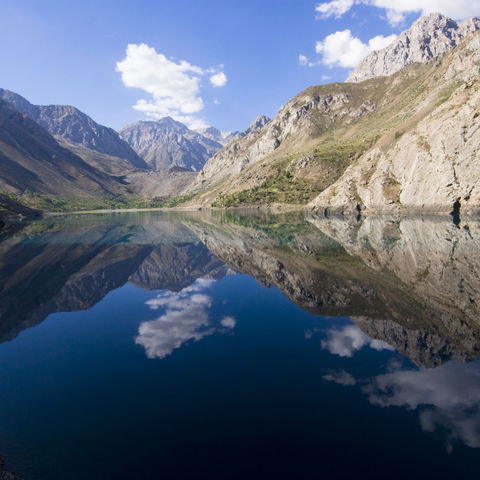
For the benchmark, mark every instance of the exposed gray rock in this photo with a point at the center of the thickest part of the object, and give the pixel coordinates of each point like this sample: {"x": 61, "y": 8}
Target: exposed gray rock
{"x": 429, "y": 37}
{"x": 167, "y": 143}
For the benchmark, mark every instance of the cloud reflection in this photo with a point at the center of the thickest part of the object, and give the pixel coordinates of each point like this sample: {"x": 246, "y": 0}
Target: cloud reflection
{"x": 448, "y": 396}
{"x": 347, "y": 341}
{"x": 185, "y": 318}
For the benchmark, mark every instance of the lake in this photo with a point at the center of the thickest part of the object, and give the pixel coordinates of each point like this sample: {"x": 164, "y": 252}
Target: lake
{"x": 230, "y": 346}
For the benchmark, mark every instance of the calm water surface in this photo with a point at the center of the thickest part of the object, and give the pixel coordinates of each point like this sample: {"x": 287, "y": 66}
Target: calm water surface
{"x": 223, "y": 346}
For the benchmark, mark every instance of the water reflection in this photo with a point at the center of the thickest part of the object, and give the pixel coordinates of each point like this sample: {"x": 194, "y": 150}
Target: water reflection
{"x": 186, "y": 317}
{"x": 410, "y": 285}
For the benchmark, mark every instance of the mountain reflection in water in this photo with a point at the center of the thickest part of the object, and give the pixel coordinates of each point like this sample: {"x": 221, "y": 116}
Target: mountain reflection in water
{"x": 408, "y": 285}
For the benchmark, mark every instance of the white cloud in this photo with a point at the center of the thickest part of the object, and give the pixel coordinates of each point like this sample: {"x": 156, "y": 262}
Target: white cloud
{"x": 347, "y": 341}
{"x": 174, "y": 87}
{"x": 218, "y": 80}
{"x": 335, "y": 8}
{"x": 396, "y": 10}
{"x": 302, "y": 60}
{"x": 342, "y": 49}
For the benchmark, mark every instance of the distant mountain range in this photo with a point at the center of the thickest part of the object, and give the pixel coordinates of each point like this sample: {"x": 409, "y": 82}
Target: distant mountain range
{"x": 59, "y": 150}
{"x": 167, "y": 143}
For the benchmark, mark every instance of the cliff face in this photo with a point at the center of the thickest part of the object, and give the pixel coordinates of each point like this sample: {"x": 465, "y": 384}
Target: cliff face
{"x": 434, "y": 165}
{"x": 429, "y": 37}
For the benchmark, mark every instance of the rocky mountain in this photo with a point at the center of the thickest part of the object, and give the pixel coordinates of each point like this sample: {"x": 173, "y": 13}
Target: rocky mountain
{"x": 223, "y": 138}
{"x": 166, "y": 143}
{"x": 98, "y": 145}
{"x": 431, "y": 164}
{"x": 429, "y": 37}
{"x": 407, "y": 141}
{"x": 30, "y": 158}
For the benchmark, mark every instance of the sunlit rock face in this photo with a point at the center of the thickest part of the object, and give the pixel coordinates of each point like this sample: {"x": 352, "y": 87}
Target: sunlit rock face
{"x": 429, "y": 37}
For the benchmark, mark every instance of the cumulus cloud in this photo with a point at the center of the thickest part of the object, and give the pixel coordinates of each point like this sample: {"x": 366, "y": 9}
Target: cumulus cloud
{"x": 174, "y": 86}
{"x": 345, "y": 342}
{"x": 396, "y": 10}
{"x": 448, "y": 396}
{"x": 185, "y": 318}
{"x": 218, "y": 79}
{"x": 342, "y": 49}
{"x": 335, "y": 8}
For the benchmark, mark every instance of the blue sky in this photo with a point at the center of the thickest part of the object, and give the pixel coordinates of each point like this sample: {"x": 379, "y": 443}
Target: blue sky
{"x": 204, "y": 62}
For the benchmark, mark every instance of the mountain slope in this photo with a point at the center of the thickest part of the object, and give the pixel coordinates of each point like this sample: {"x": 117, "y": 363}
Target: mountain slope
{"x": 98, "y": 145}
{"x": 429, "y": 37}
{"x": 322, "y": 135}
{"x": 30, "y": 158}
{"x": 167, "y": 143}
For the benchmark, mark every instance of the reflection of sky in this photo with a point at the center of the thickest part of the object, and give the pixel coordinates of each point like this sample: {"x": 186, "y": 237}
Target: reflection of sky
{"x": 186, "y": 317}
{"x": 447, "y": 397}
{"x": 346, "y": 341}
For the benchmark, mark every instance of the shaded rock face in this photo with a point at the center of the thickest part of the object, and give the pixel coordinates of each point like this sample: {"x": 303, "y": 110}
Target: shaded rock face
{"x": 167, "y": 143}
{"x": 39, "y": 278}
{"x": 32, "y": 159}
{"x": 429, "y": 37}
{"x": 73, "y": 126}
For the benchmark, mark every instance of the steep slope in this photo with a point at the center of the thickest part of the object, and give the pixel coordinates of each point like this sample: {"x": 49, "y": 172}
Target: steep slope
{"x": 98, "y": 145}
{"x": 167, "y": 143}
{"x": 325, "y": 132}
{"x": 429, "y": 37}
{"x": 433, "y": 165}
{"x": 30, "y": 158}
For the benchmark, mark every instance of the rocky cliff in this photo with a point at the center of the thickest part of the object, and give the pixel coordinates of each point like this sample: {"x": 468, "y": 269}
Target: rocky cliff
{"x": 167, "y": 143}
{"x": 429, "y": 37}
{"x": 431, "y": 165}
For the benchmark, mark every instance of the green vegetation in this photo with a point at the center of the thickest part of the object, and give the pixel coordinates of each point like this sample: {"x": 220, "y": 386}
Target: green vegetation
{"x": 52, "y": 203}
{"x": 326, "y": 164}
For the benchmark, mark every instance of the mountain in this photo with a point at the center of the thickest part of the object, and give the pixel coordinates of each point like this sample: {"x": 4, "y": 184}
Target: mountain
{"x": 30, "y": 158}
{"x": 429, "y": 37}
{"x": 402, "y": 142}
{"x": 223, "y": 138}
{"x": 166, "y": 143}
{"x": 98, "y": 145}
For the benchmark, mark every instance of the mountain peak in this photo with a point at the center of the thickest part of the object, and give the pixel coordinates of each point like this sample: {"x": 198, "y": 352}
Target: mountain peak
{"x": 429, "y": 37}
